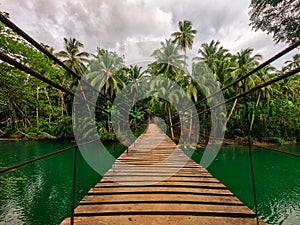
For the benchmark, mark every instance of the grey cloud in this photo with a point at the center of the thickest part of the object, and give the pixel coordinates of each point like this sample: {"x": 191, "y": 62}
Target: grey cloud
{"x": 111, "y": 23}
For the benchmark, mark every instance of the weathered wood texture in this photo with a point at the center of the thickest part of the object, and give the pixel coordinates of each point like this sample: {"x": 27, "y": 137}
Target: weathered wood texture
{"x": 156, "y": 183}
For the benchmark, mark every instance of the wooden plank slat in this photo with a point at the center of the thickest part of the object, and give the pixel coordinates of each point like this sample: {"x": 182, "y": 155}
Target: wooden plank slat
{"x": 142, "y": 188}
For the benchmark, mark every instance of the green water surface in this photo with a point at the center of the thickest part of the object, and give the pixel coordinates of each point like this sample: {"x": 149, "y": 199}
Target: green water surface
{"x": 276, "y": 179}
{"x": 41, "y": 193}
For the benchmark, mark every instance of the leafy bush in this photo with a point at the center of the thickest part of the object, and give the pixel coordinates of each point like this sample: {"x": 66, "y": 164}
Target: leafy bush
{"x": 274, "y": 140}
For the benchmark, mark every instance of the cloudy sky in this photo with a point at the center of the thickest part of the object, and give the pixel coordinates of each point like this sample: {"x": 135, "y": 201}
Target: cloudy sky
{"x": 138, "y": 25}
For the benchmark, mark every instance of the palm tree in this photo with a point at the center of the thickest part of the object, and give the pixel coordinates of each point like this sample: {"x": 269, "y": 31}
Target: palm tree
{"x": 168, "y": 60}
{"x": 217, "y": 58}
{"x": 104, "y": 73}
{"x": 72, "y": 56}
{"x": 169, "y": 63}
{"x": 75, "y": 60}
{"x": 185, "y": 36}
{"x": 264, "y": 74}
{"x": 135, "y": 77}
{"x": 294, "y": 63}
{"x": 290, "y": 86}
{"x": 165, "y": 88}
{"x": 244, "y": 62}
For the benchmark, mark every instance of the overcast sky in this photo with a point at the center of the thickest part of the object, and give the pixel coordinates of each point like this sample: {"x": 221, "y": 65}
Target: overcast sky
{"x": 139, "y": 24}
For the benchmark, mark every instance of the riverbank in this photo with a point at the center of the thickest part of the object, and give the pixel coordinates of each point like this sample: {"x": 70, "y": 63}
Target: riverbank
{"x": 226, "y": 141}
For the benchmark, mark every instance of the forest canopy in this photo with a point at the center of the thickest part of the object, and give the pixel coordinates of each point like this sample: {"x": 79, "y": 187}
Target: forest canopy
{"x": 278, "y": 17}
{"x": 30, "y": 108}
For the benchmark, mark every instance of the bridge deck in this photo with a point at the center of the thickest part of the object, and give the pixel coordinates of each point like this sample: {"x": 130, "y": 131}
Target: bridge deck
{"x": 156, "y": 183}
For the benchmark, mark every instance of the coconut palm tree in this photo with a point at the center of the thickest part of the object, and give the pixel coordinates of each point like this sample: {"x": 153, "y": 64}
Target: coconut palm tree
{"x": 168, "y": 60}
{"x": 217, "y": 58}
{"x": 290, "y": 86}
{"x": 294, "y": 63}
{"x": 75, "y": 60}
{"x": 185, "y": 36}
{"x": 166, "y": 88}
{"x": 136, "y": 78}
{"x": 244, "y": 63}
{"x": 264, "y": 74}
{"x": 72, "y": 56}
{"x": 104, "y": 73}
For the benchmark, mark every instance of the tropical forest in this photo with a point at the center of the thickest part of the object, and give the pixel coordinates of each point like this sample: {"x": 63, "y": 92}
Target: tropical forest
{"x": 32, "y": 109}
{"x": 183, "y": 112}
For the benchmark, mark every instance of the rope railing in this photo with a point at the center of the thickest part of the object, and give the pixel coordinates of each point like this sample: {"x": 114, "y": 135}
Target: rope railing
{"x": 256, "y": 69}
{"x": 20, "y": 32}
{"x": 33, "y": 42}
{"x": 277, "y": 150}
{"x": 8, "y": 169}
{"x": 37, "y": 75}
{"x": 267, "y": 83}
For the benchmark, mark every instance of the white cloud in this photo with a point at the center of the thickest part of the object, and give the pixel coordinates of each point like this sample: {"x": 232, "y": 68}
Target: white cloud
{"x": 111, "y": 23}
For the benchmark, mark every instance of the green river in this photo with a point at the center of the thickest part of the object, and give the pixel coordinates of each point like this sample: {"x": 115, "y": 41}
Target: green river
{"x": 41, "y": 193}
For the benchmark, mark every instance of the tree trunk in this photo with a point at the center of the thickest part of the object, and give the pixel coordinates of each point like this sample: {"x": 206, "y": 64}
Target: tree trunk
{"x": 49, "y": 101}
{"x": 37, "y": 106}
{"x": 62, "y": 103}
{"x": 231, "y": 111}
{"x": 85, "y": 100}
{"x": 191, "y": 124}
{"x": 253, "y": 114}
{"x": 170, "y": 119}
{"x": 185, "y": 65}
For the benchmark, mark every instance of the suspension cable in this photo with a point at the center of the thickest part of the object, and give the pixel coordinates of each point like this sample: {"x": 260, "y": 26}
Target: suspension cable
{"x": 247, "y": 127}
{"x": 35, "y": 74}
{"x": 23, "y": 34}
{"x": 44, "y": 156}
{"x": 20, "y": 32}
{"x": 267, "y": 83}
{"x": 277, "y": 150}
{"x": 259, "y": 67}
{"x": 260, "y": 146}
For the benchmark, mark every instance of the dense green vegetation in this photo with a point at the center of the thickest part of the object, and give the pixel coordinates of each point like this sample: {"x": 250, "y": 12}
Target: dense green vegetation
{"x": 32, "y": 109}
{"x": 279, "y": 17}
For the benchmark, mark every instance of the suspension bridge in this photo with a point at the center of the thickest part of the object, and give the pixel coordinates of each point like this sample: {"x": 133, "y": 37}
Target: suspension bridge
{"x": 148, "y": 184}
{"x": 164, "y": 194}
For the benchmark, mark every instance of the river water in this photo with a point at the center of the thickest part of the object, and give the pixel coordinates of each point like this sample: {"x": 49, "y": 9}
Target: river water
{"x": 41, "y": 193}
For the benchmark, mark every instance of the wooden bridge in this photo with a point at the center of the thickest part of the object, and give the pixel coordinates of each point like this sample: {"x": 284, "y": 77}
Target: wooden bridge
{"x": 156, "y": 183}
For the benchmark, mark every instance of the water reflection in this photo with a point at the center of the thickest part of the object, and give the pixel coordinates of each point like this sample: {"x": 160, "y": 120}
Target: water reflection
{"x": 40, "y": 193}
{"x": 277, "y": 179}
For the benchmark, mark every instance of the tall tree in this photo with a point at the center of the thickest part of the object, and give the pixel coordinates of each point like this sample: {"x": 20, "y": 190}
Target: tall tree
{"x": 279, "y": 17}
{"x": 185, "y": 36}
{"x": 169, "y": 61}
{"x": 135, "y": 77}
{"x": 172, "y": 96}
{"x": 245, "y": 62}
{"x": 72, "y": 56}
{"x": 294, "y": 63}
{"x": 104, "y": 73}
{"x": 217, "y": 58}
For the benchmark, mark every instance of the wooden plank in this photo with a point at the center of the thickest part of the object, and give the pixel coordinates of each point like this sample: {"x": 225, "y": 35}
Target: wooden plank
{"x": 150, "y": 190}
{"x": 157, "y": 197}
{"x": 163, "y": 220}
{"x": 163, "y": 207}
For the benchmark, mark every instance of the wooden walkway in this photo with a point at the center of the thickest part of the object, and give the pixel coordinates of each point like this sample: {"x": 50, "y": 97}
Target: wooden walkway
{"x": 156, "y": 183}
